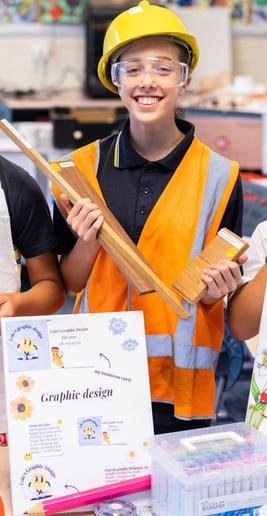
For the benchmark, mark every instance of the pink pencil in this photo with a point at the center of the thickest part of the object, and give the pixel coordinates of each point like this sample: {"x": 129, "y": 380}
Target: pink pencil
{"x": 83, "y": 498}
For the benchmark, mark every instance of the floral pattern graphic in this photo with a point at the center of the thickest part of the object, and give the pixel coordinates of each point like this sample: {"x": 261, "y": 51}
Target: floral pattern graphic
{"x": 117, "y": 326}
{"x": 21, "y": 408}
{"x": 129, "y": 344}
{"x": 257, "y": 411}
{"x": 25, "y": 383}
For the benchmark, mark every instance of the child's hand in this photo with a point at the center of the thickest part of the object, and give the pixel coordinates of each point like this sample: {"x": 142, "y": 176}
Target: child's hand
{"x": 67, "y": 205}
{"x": 8, "y": 304}
{"x": 84, "y": 217}
{"x": 222, "y": 278}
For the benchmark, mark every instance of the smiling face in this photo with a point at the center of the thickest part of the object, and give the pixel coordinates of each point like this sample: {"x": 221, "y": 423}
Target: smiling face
{"x": 151, "y": 97}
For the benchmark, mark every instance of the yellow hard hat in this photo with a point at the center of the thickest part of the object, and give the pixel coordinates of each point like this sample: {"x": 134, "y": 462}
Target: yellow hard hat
{"x": 138, "y": 22}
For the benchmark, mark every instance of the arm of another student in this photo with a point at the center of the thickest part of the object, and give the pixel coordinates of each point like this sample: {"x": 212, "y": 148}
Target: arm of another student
{"x": 245, "y": 307}
{"x": 46, "y": 294}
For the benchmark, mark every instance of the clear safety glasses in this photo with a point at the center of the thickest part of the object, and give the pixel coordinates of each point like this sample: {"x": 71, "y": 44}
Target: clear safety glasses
{"x": 172, "y": 73}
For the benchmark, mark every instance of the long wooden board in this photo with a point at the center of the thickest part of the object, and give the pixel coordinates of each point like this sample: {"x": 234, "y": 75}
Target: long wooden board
{"x": 112, "y": 236}
{"x": 111, "y": 228}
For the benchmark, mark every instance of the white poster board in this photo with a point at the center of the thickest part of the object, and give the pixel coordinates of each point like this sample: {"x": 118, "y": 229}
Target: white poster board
{"x": 78, "y": 403}
{"x": 256, "y": 414}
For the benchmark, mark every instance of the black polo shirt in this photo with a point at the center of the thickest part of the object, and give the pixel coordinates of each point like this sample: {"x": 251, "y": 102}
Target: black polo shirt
{"x": 131, "y": 185}
{"x": 31, "y": 224}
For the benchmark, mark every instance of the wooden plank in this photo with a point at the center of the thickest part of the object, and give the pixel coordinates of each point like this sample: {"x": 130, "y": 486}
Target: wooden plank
{"x": 225, "y": 246}
{"x": 115, "y": 240}
{"x": 112, "y": 236}
{"x": 138, "y": 282}
{"x": 69, "y": 172}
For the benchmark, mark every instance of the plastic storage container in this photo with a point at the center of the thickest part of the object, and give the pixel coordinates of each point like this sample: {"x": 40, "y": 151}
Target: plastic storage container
{"x": 218, "y": 471}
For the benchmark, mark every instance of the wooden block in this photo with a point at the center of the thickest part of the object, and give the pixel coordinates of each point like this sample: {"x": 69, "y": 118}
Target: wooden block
{"x": 225, "y": 246}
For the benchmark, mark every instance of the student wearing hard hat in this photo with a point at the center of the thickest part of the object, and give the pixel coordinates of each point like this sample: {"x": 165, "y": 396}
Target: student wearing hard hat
{"x": 171, "y": 194}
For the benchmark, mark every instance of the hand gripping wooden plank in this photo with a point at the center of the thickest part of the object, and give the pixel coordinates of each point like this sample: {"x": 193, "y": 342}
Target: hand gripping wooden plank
{"x": 225, "y": 246}
{"x": 112, "y": 236}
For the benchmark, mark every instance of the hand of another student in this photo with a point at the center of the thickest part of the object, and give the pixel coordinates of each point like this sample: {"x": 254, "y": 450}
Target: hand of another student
{"x": 222, "y": 278}
{"x": 8, "y": 304}
{"x": 84, "y": 217}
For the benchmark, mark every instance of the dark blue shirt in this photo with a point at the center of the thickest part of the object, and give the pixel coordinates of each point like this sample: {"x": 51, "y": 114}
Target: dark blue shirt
{"x": 31, "y": 224}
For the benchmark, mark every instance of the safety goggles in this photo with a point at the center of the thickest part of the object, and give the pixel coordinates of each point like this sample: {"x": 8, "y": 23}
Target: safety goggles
{"x": 173, "y": 73}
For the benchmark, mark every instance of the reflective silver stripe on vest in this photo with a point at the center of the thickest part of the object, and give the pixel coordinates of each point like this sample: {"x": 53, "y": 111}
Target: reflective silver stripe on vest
{"x": 159, "y": 345}
{"x": 185, "y": 355}
{"x": 192, "y": 357}
{"x": 218, "y": 173}
{"x": 83, "y": 305}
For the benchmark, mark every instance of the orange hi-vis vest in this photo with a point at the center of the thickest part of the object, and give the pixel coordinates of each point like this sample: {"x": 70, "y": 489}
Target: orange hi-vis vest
{"x": 182, "y": 355}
